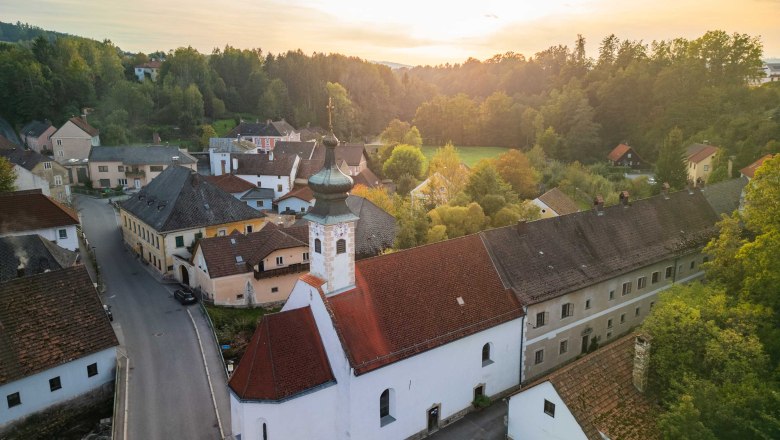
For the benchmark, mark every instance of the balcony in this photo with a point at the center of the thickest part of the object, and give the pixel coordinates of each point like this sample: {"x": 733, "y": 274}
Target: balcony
{"x": 293, "y": 268}
{"x": 135, "y": 173}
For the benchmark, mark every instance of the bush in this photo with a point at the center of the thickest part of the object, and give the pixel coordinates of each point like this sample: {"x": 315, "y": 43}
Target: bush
{"x": 481, "y": 401}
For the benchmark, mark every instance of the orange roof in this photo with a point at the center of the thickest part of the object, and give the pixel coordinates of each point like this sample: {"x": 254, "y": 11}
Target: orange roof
{"x": 750, "y": 170}
{"x": 701, "y": 152}
{"x": 284, "y": 358}
{"x": 31, "y": 210}
{"x": 399, "y": 308}
{"x": 304, "y": 193}
{"x": 598, "y": 389}
{"x": 559, "y": 202}
{"x": 84, "y": 125}
{"x": 618, "y": 152}
{"x": 230, "y": 183}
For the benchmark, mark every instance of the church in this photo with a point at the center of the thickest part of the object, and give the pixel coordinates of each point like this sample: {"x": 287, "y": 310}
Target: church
{"x": 399, "y": 345}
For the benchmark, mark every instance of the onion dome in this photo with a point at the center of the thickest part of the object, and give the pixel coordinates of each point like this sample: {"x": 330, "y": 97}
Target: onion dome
{"x": 330, "y": 187}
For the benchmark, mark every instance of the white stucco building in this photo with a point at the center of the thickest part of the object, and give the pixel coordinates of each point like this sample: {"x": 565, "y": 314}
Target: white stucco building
{"x": 32, "y": 212}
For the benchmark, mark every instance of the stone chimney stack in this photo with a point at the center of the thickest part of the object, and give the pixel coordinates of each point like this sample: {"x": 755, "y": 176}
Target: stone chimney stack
{"x": 598, "y": 205}
{"x": 624, "y": 198}
{"x": 641, "y": 361}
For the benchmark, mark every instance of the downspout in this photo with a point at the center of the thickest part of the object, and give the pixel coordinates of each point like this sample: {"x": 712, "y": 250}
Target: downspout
{"x": 522, "y": 340}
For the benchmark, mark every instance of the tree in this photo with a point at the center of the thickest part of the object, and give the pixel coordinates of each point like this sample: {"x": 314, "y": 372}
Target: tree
{"x": 458, "y": 220}
{"x": 515, "y": 168}
{"x": 671, "y": 167}
{"x": 7, "y": 175}
{"x": 206, "y": 133}
{"x": 400, "y": 132}
{"x": 446, "y": 162}
{"x": 762, "y": 213}
{"x": 485, "y": 180}
{"x": 512, "y": 213}
{"x": 377, "y": 196}
{"x": 345, "y": 121}
{"x": 405, "y": 159}
{"x": 412, "y": 137}
{"x": 412, "y": 226}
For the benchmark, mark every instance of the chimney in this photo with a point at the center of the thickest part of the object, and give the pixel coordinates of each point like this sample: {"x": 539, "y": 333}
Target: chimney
{"x": 522, "y": 226}
{"x": 641, "y": 361}
{"x": 20, "y": 271}
{"x": 156, "y": 138}
{"x": 271, "y": 155}
{"x": 730, "y": 167}
{"x": 598, "y": 205}
{"x": 175, "y": 160}
{"x": 235, "y": 164}
{"x": 624, "y": 198}
{"x": 665, "y": 190}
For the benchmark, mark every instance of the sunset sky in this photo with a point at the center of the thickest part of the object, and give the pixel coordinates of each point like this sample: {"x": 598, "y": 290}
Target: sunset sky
{"x": 403, "y": 31}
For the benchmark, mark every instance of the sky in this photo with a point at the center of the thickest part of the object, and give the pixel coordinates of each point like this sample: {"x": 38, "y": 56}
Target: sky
{"x": 402, "y": 31}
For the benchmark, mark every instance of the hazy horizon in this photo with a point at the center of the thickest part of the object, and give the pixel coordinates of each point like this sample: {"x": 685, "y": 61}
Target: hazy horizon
{"x": 406, "y": 32}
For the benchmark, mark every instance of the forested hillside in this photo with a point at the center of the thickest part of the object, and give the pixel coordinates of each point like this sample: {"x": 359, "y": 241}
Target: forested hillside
{"x": 576, "y": 106}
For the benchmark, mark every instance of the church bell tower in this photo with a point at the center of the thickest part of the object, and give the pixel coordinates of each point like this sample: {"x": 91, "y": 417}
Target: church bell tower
{"x": 331, "y": 223}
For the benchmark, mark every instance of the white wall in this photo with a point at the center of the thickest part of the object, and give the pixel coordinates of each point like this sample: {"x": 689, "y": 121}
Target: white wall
{"x": 293, "y": 203}
{"x": 35, "y": 392}
{"x": 27, "y": 180}
{"x": 269, "y": 182}
{"x": 308, "y": 416}
{"x": 70, "y": 243}
{"x": 528, "y": 421}
{"x": 216, "y": 162}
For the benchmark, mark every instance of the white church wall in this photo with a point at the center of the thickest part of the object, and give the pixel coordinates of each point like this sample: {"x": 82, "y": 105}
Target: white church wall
{"x": 309, "y": 416}
{"x": 528, "y": 420}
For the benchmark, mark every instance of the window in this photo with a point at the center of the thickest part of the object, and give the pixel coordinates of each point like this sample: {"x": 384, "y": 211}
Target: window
{"x": 265, "y": 431}
{"x": 539, "y": 357}
{"x": 14, "y": 400}
{"x": 55, "y": 384}
{"x": 486, "y": 355}
{"x": 274, "y": 289}
{"x": 122, "y": 182}
{"x": 305, "y": 256}
{"x": 567, "y": 310}
{"x": 120, "y": 168}
{"x": 654, "y": 279}
{"x": 641, "y": 282}
{"x": 541, "y": 319}
{"x": 179, "y": 241}
{"x": 636, "y": 311}
{"x": 549, "y": 408}
{"x": 693, "y": 264}
{"x": 57, "y": 180}
{"x": 221, "y": 233}
{"x": 47, "y": 165}
{"x": 62, "y": 234}
{"x": 563, "y": 346}
{"x": 103, "y": 168}
{"x": 59, "y": 142}
{"x": 248, "y": 229}
{"x": 240, "y": 296}
{"x": 259, "y": 203}
{"x": 611, "y": 295}
{"x": 279, "y": 188}
{"x": 317, "y": 246}
{"x": 385, "y": 415}
{"x": 609, "y": 335}
{"x": 587, "y": 304}
{"x": 155, "y": 168}
{"x": 479, "y": 391}
{"x": 92, "y": 370}
{"x": 706, "y": 167}
{"x": 341, "y": 246}
{"x": 303, "y": 209}
{"x": 626, "y": 288}
{"x": 157, "y": 241}
{"x": 105, "y": 183}
{"x": 622, "y": 318}
{"x": 609, "y": 323}
{"x": 279, "y": 261}
{"x": 669, "y": 272}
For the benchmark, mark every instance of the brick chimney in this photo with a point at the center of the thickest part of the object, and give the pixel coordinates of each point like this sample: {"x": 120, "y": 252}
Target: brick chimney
{"x": 156, "y": 138}
{"x": 598, "y": 205}
{"x": 641, "y": 361}
{"x": 624, "y": 198}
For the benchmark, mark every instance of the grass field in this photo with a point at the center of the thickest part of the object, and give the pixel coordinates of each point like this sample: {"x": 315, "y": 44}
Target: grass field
{"x": 469, "y": 155}
{"x": 222, "y": 126}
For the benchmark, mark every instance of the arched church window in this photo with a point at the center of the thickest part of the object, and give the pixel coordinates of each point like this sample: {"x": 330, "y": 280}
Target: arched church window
{"x": 341, "y": 246}
{"x": 386, "y": 405}
{"x": 317, "y": 246}
{"x": 486, "y": 355}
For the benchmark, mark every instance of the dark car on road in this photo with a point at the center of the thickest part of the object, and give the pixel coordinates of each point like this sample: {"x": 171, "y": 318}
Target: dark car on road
{"x": 184, "y": 296}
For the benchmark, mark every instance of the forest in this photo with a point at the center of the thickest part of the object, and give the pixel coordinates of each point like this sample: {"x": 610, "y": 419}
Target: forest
{"x": 575, "y": 105}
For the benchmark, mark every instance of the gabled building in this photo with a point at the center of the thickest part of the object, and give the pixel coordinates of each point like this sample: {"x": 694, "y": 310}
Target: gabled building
{"x": 229, "y": 183}
{"x": 72, "y": 143}
{"x": 625, "y": 156}
{"x": 57, "y": 343}
{"x": 163, "y": 221}
{"x": 599, "y": 396}
{"x": 134, "y": 166}
{"x": 299, "y": 199}
{"x": 25, "y": 255}
{"x": 263, "y": 135}
{"x": 700, "y": 161}
{"x": 148, "y": 70}
{"x": 267, "y": 171}
{"x": 36, "y": 171}
{"x": 32, "y": 212}
{"x": 36, "y": 135}
{"x": 554, "y": 203}
{"x": 750, "y": 170}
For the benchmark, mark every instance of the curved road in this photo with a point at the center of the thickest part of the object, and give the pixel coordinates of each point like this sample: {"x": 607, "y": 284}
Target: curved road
{"x": 169, "y": 395}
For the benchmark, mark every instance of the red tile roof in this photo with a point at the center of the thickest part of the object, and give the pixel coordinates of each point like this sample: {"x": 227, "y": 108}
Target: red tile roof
{"x": 303, "y": 192}
{"x": 50, "y": 319}
{"x": 284, "y": 358}
{"x": 598, "y": 389}
{"x": 230, "y": 183}
{"x": 367, "y": 178}
{"x": 84, "y": 125}
{"x": 30, "y": 210}
{"x": 559, "y": 202}
{"x": 750, "y": 170}
{"x": 699, "y": 152}
{"x": 400, "y": 308}
{"x": 618, "y": 152}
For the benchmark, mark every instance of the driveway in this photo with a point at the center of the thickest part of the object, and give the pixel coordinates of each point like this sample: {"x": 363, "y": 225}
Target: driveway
{"x": 169, "y": 394}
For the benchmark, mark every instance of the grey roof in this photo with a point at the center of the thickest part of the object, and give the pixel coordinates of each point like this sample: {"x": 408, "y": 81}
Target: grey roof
{"x": 724, "y": 197}
{"x": 8, "y": 132}
{"x": 32, "y": 253}
{"x": 179, "y": 198}
{"x": 26, "y": 159}
{"x": 258, "y": 194}
{"x": 375, "y": 229}
{"x": 268, "y": 128}
{"x": 262, "y": 165}
{"x": 35, "y": 128}
{"x": 302, "y": 149}
{"x": 551, "y": 257}
{"x": 140, "y": 155}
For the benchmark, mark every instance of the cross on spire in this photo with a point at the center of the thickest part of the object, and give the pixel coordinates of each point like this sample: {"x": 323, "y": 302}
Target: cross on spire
{"x": 330, "y": 108}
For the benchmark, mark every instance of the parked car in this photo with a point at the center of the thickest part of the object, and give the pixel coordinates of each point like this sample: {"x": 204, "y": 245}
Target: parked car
{"x": 107, "y": 309}
{"x": 184, "y": 296}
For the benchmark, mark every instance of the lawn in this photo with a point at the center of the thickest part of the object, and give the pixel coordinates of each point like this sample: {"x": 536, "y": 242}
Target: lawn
{"x": 234, "y": 327}
{"x": 222, "y": 126}
{"x": 469, "y": 155}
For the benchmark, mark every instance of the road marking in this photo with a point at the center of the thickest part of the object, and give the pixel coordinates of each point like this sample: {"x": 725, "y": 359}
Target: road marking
{"x": 208, "y": 375}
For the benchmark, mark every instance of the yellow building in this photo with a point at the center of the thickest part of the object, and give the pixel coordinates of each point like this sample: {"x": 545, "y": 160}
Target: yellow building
{"x": 701, "y": 159}
{"x": 165, "y": 220}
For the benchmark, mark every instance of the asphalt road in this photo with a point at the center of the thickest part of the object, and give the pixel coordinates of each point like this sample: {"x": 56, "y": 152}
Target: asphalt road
{"x": 487, "y": 424}
{"x": 169, "y": 395}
